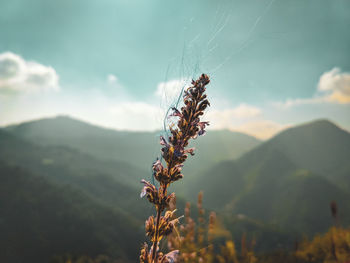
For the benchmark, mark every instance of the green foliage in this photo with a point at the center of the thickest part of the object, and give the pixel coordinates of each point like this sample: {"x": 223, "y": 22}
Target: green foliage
{"x": 40, "y": 219}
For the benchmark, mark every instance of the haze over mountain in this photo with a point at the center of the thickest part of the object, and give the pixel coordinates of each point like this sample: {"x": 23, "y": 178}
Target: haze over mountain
{"x": 137, "y": 148}
{"x": 280, "y": 182}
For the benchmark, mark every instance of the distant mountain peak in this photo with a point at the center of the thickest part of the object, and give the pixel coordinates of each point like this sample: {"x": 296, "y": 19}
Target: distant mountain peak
{"x": 318, "y": 123}
{"x": 55, "y": 121}
{"x": 319, "y": 127}
{"x": 63, "y": 117}
{"x": 320, "y": 146}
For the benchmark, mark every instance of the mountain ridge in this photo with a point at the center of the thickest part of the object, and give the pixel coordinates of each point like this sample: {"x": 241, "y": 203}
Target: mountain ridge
{"x": 254, "y": 184}
{"x": 137, "y": 148}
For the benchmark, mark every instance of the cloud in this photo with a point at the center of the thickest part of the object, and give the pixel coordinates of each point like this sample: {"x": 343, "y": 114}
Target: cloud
{"x": 224, "y": 119}
{"x": 18, "y": 75}
{"x": 170, "y": 90}
{"x": 141, "y": 116}
{"x": 244, "y": 111}
{"x": 137, "y": 116}
{"x": 333, "y": 87}
{"x": 114, "y": 82}
{"x": 295, "y": 102}
{"x": 111, "y": 79}
{"x": 337, "y": 86}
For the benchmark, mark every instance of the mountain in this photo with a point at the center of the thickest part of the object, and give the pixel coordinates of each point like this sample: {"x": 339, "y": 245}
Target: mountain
{"x": 109, "y": 184}
{"x": 138, "y": 148}
{"x": 40, "y": 219}
{"x": 279, "y": 181}
{"x": 63, "y": 160}
{"x": 275, "y": 186}
{"x": 319, "y": 146}
{"x": 57, "y": 181}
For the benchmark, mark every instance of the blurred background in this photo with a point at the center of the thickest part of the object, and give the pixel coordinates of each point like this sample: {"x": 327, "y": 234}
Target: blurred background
{"x": 85, "y": 87}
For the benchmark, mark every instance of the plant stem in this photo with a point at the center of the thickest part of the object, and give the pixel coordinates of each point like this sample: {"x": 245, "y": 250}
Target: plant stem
{"x": 154, "y": 250}
{"x": 159, "y": 213}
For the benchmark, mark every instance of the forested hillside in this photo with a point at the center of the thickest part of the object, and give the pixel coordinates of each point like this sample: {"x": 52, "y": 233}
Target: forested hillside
{"x": 75, "y": 198}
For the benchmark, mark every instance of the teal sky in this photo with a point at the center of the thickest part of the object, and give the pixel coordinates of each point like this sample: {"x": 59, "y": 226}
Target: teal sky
{"x": 265, "y": 58}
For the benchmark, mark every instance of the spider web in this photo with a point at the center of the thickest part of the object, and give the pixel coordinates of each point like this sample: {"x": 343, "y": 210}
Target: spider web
{"x": 194, "y": 59}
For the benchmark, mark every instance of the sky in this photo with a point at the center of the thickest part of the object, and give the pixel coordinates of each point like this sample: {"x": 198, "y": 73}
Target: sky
{"x": 122, "y": 63}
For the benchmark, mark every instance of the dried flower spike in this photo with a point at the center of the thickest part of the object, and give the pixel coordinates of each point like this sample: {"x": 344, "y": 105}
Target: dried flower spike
{"x": 174, "y": 153}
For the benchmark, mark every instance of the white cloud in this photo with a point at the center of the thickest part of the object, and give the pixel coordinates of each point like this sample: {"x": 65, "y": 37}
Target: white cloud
{"x": 170, "y": 90}
{"x": 114, "y": 82}
{"x": 112, "y": 79}
{"x": 294, "y": 102}
{"x": 245, "y": 111}
{"x": 224, "y": 119}
{"x": 337, "y": 86}
{"x": 137, "y": 116}
{"x": 333, "y": 87}
{"x": 18, "y": 75}
{"x": 124, "y": 113}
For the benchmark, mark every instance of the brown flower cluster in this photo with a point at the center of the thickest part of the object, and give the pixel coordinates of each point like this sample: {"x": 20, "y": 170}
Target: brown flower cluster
{"x": 174, "y": 153}
{"x": 166, "y": 225}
